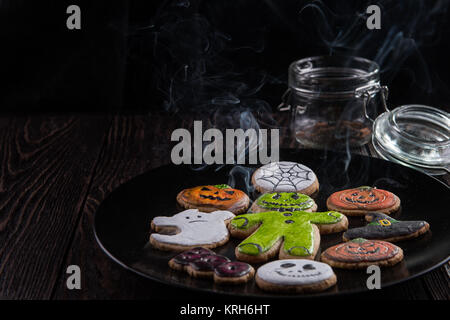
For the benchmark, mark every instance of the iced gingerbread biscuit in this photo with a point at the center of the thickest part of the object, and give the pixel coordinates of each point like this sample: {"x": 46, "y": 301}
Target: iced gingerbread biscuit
{"x": 295, "y": 276}
{"x": 182, "y": 260}
{"x": 285, "y": 176}
{"x": 212, "y": 198}
{"x": 192, "y": 228}
{"x": 359, "y": 201}
{"x": 233, "y": 272}
{"x": 290, "y": 235}
{"x": 361, "y": 253}
{"x": 383, "y": 227}
{"x": 203, "y": 263}
{"x": 283, "y": 201}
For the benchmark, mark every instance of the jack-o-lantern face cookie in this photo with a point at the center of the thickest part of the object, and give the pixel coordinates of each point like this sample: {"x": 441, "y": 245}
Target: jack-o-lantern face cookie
{"x": 288, "y": 234}
{"x": 383, "y": 227}
{"x": 285, "y": 176}
{"x": 189, "y": 229}
{"x": 211, "y": 198}
{"x": 203, "y": 263}
{"x": 359, "y": 201}
{"x": 360, "y": 253}
{"x": 283, "y": 201}
{"x": 295, "y": 276}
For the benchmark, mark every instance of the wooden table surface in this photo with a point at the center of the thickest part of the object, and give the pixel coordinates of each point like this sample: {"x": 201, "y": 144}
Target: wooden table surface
{"x": 54, "y": 172}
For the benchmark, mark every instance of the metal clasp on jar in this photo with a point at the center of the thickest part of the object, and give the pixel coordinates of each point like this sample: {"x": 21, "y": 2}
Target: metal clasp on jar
{"x": 367, "y": 92}
{"x": 285, "y": 104}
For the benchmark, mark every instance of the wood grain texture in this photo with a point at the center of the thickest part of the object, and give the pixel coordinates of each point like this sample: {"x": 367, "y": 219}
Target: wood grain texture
{"x": 132, "y": 146}
{"x": 54, "y": 174}
{"x": 46, "y": 166}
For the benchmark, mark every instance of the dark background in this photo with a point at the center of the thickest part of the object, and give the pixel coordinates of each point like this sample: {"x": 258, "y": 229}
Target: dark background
{"x": 169, "y": 59}
{"x": 183, "y": 55}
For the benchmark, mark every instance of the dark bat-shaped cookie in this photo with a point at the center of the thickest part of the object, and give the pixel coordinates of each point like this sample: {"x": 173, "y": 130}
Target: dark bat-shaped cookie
{"x": 383, "y": 227}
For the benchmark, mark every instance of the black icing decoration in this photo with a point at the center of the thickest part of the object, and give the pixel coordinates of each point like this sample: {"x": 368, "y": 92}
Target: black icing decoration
{"x": 288, "y": 174}
{"x": 384, "y": 227}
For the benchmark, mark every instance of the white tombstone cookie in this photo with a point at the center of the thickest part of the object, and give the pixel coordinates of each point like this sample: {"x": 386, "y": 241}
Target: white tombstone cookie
{"x": 191, "y": 228}
{"x": 295, "y": 275}
{"x": 285, "y": 176}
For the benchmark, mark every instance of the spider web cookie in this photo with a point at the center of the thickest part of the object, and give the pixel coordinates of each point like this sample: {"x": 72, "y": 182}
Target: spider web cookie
{"x": 285, "y": 177}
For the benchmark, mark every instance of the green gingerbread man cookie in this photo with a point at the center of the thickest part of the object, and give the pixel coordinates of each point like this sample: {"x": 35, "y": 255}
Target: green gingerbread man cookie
{"x": 293, "y": 234}
{"x": 283, "y": 201}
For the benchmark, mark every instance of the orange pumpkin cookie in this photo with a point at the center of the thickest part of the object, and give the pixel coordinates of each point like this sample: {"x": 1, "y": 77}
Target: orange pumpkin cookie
{"x": 212, "y": 198}
{"x": 360, "y": 253}
{"x": 359, "y": 201}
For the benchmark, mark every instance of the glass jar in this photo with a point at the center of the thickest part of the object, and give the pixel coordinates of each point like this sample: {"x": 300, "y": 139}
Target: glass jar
{"x": 417, "y": 136}
{"x": 333, "y": 99}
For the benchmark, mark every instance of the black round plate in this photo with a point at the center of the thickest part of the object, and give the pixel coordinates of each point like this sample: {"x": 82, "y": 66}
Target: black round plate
{"x": 122, "y": 222}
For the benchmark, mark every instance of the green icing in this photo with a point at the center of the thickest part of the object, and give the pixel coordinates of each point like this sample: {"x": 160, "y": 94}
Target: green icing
{"x": 294, "y": 227}
{"x": 222, "y": 186}
{"x": 288, "y": 201}
{"x": 358, "y": 240}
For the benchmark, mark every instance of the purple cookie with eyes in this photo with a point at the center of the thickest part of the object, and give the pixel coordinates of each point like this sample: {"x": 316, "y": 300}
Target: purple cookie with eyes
{"x": 233, "y": 272}
{"x": 207, "y": 262}
{"x": 181, "y": 260}
{"x": 204, "y": 263}
{"x": 233, "y": 269}
{"x": 191, "y": 255}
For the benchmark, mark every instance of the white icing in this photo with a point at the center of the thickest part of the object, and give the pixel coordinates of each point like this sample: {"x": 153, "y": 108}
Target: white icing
{"x": 196, "y": 228}
{"x": 294, "y": 272}
{"x": 284, "y": 176}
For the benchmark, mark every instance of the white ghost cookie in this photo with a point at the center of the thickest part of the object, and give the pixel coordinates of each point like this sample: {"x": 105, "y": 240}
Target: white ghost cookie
{"x": 190, "y": 228}
{"x": 295, "y": 275}
{"x": 285, "y": 176}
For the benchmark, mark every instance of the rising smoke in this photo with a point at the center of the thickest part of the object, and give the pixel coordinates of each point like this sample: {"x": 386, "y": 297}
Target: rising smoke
{"x": 225, "y": 62}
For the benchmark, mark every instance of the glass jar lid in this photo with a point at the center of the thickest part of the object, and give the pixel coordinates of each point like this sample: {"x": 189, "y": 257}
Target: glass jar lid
{"x": 414, "y": 135}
